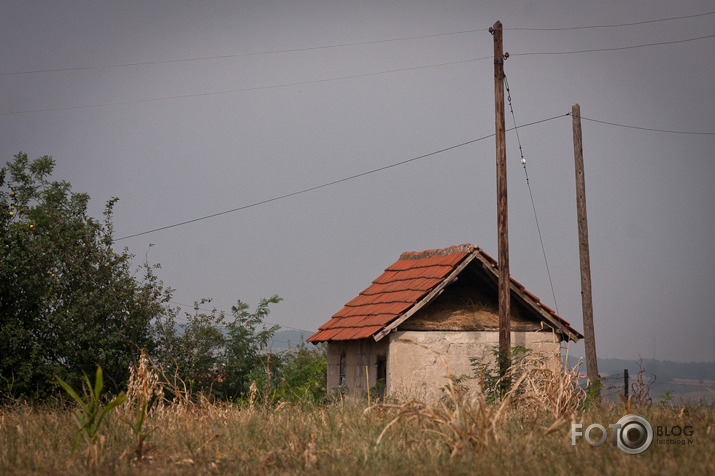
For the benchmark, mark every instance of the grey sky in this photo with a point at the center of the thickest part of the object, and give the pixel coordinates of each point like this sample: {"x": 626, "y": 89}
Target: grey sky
{"x": 233, "y": 134}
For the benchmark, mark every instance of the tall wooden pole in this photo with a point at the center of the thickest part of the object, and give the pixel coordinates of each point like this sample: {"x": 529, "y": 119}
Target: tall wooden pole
{"x": 502, "y": 209}
{"x": 586, "y": 298}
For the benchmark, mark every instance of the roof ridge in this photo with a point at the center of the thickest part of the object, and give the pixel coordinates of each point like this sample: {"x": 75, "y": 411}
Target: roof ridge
{"x": 465, "y": 248}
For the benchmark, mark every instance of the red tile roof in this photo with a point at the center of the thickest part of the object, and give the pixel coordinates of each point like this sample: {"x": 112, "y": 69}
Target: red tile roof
{"x": 400, "y": 287}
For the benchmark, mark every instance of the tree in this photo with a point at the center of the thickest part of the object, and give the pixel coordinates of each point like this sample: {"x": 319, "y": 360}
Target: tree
{"x": 68, "y": 301}
{"x": 193, "y": 350}
{"x": 303, "y": 374}
{"x": 210, "y": 352}
{"x": 248, "y": 356}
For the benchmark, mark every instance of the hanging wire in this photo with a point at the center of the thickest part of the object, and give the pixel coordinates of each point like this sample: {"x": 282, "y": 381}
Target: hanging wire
{"x": 334, "y": 182}
{"x": 531, "y": 195}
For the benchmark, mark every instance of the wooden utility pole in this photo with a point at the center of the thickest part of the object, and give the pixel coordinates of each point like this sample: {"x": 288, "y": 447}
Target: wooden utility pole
{"x": 502, "y": 210}
{"x": 586, "y": 299}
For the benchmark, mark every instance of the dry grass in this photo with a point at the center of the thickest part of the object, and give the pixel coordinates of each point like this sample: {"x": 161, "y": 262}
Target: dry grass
{"x": 412, "y": 438}
{"x": 548, "y": 386}
{"x": 527, "y": 432}
{"x": 464, "y": 422}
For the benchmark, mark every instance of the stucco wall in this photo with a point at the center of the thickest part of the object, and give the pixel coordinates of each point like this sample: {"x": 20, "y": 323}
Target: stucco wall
{"x": 414, "y": 359}
{"x": 415, "y": 368}
{"x": 359, "y": 354}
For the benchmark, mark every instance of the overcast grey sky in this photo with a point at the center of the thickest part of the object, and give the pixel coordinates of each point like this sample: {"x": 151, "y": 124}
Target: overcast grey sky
{"x": 186, "y": 109}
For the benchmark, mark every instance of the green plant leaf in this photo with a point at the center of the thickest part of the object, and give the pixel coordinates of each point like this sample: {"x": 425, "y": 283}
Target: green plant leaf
{"x": 118, "y": 400}
{"x": 73, "y": 394}
{"x": 98, "y": 383}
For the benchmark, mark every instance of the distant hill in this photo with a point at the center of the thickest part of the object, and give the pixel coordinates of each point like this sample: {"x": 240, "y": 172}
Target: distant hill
{"x": 691, "y": 381}
{"x": 286, "y": 339}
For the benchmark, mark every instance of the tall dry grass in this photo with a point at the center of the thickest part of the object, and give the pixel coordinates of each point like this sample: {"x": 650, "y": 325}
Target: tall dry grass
{"x": 528, "y": 432}
{"x": 223, "y": 439}
{"x": 464, "y": 421}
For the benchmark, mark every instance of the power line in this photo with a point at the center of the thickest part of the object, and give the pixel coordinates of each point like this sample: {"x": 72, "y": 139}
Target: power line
{"x": 617, "y": 25}
{"x": 238, "y": 90}
{"x": 647, "y": 128}
{"x": 328, "y": 184}
{"x": 238, "y": 55}
{"x": 620, "y": 48}
{"x": 380, "y": 169}
{"x": 338, "y": 78}
{"x": 293, "y": 194}
{"x": 333, "y": 46}
{"x": 531, "y": 195}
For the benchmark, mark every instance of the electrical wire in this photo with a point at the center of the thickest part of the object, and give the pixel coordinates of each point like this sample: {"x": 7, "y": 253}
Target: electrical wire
{"x": 237, "y": 55}
{"x": 531, "y": 195}
{"x": 300, "y": 192}
{"x": 380, "y": 169}
{"x": 333, "y": 46}
{"x": 646, "y": 128}
{"x": 617, "y": 25}
{"x": 339, "y": 78}
{"x": 620, "y": 48}
{"x": 327, "y": 184}
{"x": 239, "y": 90}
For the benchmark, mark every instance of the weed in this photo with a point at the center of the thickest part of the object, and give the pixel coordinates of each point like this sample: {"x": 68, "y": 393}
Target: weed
{"x": 666, "y": 400}
{"x": 640, "y": 389}
{"x": 494, "y": 386}
{"x": 144, "y": 394}
{"x": 90, "y": 414}
{"x": 593, "y": 393}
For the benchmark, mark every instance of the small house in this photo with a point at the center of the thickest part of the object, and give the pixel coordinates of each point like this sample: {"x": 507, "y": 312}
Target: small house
{"x": 425, "y": 306}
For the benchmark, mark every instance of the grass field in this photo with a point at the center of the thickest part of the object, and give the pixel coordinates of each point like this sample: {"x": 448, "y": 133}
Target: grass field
{"x": 529, "y": 432}
{"x": 224, "y": 439}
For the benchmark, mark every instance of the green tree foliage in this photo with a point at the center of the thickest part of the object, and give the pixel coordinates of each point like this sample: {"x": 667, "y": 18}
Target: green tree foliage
{"x": 303, "y": 374}
{"x": 248, "y": 355}
{"x": 68, "y": 301}
{"x": 211, "y": 351}
{"x": 193, "y": 349}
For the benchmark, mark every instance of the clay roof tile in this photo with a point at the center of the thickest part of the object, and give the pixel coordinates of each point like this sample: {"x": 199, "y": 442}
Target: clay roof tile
{"x": 402, "y": 285}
